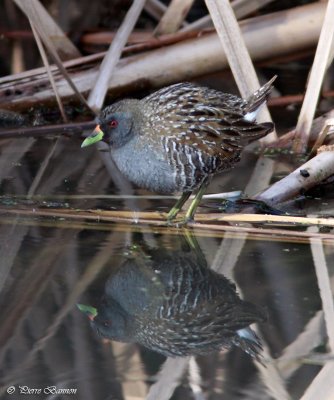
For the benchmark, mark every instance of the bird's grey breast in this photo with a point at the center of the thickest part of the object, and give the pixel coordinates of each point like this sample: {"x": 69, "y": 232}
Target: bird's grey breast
{"x": 144, "y": 165}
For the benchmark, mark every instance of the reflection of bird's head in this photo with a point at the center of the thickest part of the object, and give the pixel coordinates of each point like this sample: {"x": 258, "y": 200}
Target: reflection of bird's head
{"x": 112, "y": 322}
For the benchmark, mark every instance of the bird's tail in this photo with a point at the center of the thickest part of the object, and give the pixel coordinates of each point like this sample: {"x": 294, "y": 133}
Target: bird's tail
{"x": 255, "y": 100}
{"x": 249, "y": 342}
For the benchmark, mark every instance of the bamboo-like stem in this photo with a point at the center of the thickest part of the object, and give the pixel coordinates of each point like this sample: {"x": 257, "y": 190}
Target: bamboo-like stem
{"x": 236, "y": 51}
{"x": 320, "y": 64}
{"x": 98, "y": 93}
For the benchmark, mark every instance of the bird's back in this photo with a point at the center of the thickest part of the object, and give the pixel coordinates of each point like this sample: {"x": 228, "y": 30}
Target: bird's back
{"x": 200, "y": 130}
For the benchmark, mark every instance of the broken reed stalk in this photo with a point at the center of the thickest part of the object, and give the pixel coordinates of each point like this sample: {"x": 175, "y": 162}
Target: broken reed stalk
{"x": 47, "y": 28}
{"x": 326, "y": 130}
{"x": 99, "y": 91}
{"x": 173, "y": 17}
{"x": 35, "y": 12}
{"x": 236, "y": 51}
{"x": 266, "y": 37}
{"x": 319, "y": 67}
{"x": 241, "y": 9}
{"x": 318, "y": 125}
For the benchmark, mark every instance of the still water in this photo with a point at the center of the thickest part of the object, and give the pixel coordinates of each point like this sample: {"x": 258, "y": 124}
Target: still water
{"x": 49, "y": 264}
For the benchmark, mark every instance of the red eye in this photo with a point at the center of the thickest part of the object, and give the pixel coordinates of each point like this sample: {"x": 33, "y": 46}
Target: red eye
{"x": 113, "y": 124}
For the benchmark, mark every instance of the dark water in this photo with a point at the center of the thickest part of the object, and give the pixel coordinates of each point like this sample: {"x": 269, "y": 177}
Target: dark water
{"x": 49, "y": 264}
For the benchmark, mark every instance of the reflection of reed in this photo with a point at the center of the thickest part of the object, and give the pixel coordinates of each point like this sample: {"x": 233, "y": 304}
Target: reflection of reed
{"x": 33, "y": 292}
{"x": 36, "y": 321}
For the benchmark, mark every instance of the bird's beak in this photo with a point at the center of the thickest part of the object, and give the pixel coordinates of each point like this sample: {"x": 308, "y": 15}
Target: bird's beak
{"x": 91, "y": 312}
{"x": 94, "y": 137}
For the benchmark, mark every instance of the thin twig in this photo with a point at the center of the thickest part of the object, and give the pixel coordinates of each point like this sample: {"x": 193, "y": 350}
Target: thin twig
{"x": 48, "y": 71}
{"x": 69, "y": 129}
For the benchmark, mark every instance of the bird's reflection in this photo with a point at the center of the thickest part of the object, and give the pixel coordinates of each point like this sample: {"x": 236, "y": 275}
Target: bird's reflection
{"x": 171, "y": 302}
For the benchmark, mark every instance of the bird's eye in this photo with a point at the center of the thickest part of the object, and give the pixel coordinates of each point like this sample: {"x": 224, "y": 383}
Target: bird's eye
{"x": 106, "y": 323}
{"x": 113, "y": 123}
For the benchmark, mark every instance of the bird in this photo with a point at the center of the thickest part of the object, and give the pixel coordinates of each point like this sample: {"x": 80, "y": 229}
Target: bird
{"x": 172, "y": 303}
{"x": 175, "y": 139}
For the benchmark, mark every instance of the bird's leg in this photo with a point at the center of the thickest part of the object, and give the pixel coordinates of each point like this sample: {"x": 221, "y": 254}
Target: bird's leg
{"x": 195, "y": 203}
{"x": 178, "y": 205}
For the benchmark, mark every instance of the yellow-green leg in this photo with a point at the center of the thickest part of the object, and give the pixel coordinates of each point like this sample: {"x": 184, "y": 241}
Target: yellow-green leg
{"x": 178, "y": 205}
{"x": 195, "y": 203}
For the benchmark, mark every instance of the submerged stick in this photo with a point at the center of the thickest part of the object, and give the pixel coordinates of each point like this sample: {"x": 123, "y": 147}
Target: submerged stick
{"x": 303, "y": 178}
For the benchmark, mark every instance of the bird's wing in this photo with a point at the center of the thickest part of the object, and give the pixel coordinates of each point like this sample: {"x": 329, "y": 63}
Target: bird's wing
{"x": 193, "y": 118}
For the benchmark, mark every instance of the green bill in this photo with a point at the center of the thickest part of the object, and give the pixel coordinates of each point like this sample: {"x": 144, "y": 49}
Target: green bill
{"x": 94, "y": 137}
{"x": 89, "y": 310}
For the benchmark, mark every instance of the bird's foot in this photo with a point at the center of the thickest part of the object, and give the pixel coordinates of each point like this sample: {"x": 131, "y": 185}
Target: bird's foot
{"x": 179, "y": 222}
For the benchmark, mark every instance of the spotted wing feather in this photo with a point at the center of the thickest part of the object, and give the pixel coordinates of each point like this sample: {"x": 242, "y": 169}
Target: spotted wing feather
{"x": 205, "y": 127}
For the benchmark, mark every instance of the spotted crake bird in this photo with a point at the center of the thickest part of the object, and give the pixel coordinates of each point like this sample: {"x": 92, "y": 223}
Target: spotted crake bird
{"x": 171, "y": 303}
{"x": 176, "y": 139}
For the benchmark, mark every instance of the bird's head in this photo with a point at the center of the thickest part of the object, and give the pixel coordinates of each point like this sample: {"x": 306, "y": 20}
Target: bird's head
{"x": 115, "y": 125}
{"x": 110, "y": 321}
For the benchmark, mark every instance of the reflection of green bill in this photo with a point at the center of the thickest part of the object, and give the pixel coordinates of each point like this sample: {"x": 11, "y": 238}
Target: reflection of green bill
{"x": 88, "y": 310}
{"x": 94, "y": 137}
